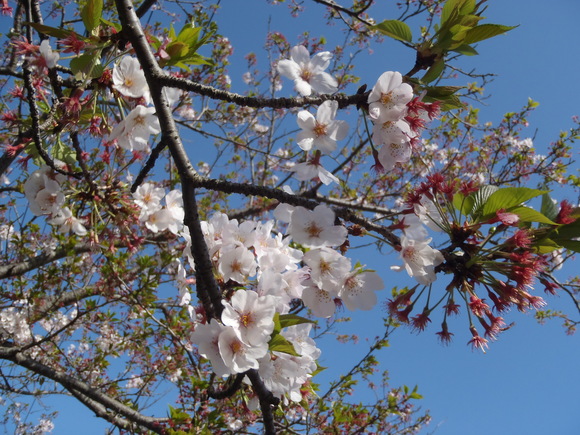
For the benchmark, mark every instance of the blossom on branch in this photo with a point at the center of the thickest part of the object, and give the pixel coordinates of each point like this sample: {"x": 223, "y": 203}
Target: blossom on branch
{"x": 308, "y": 74}
{"x": 323, "y": 131}
{"x": 129, "y": 79}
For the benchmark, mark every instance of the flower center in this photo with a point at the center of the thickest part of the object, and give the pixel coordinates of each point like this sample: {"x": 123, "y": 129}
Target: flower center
{"x": 313, "y": 230}
{"x": 306, "y": 75}
{"x": 386, "y": 98}
{"x": 320, "y": 129}
{"x": 246, "y": 319}
{"x": 128, "y": 82}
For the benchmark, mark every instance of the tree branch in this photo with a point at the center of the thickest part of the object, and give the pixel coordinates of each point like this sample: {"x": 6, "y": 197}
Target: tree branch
{"x": 91, "y": 393}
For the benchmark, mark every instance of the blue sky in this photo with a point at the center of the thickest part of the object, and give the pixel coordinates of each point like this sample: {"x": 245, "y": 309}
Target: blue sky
{"x": 526, "y": 383}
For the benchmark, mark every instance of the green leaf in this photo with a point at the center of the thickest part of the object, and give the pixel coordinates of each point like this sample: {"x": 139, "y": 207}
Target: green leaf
{"x": 509, "y": 197}
{"x": 545, "y": 246}
{"x": 52, "y": 31}
{"x": 451, "y": 102}
{"x": 463, "y": 204}
{"x": 277, "y": 325}
{"x": 115, "y": 26}
{"x": 565, "y": 233}
{"x": 87, "y": 66}
{"x": 292, "y": 319}
{"x": 455, "y": 8}
{"x": 481, "y": 197}
{"x": 572, "y": 245}
{"x": 528, "y": 214}
{"x": 442, "y": 91}
{"x": 466, "y": 50}
{"x": 485, "y": 31}
{"x": 91, "y": 14}
{"x": 279, "y": 344}
{"x": 549, "y": 208}
{"x": 189, "y": 35}
{"x": 395, "y": 29}
{"x": 434, "y": 71}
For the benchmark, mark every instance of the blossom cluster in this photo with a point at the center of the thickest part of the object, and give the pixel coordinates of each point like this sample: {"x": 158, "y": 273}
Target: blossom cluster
{"x": 45, "y": 196}
{"x": 278, "y": 280}
{"x": 397, "y": 119}
{"x": 153, "y": 214}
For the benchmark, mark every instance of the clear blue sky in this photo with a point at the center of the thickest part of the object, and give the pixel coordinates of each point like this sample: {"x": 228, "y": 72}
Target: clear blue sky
{"x": 527, "y": 382}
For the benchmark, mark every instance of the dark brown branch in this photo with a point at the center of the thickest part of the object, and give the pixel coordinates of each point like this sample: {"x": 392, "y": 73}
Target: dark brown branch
{"x": 256, "y": 102}
{"x": 267, "y": 401}
{"x": 229, "y": 390}
{"x": 74, "y": 385}
{"x": 207, "y": 288}
{"x": 296, "y": 200}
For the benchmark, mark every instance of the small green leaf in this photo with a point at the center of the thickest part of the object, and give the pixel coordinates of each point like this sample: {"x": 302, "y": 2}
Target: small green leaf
{"x": 292, "y": 319}
{"x": 434, "y": 71}
{"x": 565, "y": 233}
{"x": 549, "y": 208}
{"x": 395, "y": 29}
{"x": 91, "y": 14}
{"x": 481, "y": 197}
{"x": 86, "y": 66}
{"x": 463, "y": 204}
{"x": 545, "y": 246}
{"x": 485, "y": 31}
{"x": 279, "y": 344}
{"x": 509, "y": 197}
{"x": 455, "y": 8}
{"x": 52, "y": 31}
{"x": 528, "y": 214}
{"x": 466, "y": 50}
{"x": 442, "y": 91}
{"x": 572, "y": 245}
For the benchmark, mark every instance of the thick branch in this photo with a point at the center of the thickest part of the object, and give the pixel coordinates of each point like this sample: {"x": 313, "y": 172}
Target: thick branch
{"x": 267, "y": 192}
{"x": 208, "y": 290}
{"x": 74, "y": 385}
{"x": 256, "y": 102}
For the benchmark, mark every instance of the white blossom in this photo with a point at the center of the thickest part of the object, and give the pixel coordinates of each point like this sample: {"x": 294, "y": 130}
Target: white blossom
{"x": 129, "y": 79}
{"x": 323, "y": 131}
{"x": 308, "y": 74}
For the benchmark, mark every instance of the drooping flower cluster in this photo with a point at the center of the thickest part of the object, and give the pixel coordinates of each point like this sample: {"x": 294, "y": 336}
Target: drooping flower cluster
{"x": 501, "y": 265}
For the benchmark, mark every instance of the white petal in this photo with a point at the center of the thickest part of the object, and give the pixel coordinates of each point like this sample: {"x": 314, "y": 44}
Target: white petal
{"x": 320, "y": 61}
{"x": 289, "y": 69}
{"x": 324, "y": 83}
{"x": 300, "y": 55}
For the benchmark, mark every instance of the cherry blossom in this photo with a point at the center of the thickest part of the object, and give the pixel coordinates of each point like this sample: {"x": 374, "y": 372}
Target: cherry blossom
{"x": 313, "y": 170}
{"x": 237, "y": 264}
{"x": 389, "y": 97}
{"x": 50, "y": 57}
{"x": 250, "y": 315}
{"x": 129, "y": 79}
{"x": 43, "y": 191}
{"x": 67, "y": 222}
{"x": 315, "y": 228}
{"x": 323, "y": 131}
{"x": 206, "y": 336}
{"x": 308, "y": 74}
{"x": 320, "y": 301}
{"x": 358, "y": 290}
{"x": 133, "y": 132}
{"x": 420, "y": 259}
{"x": 237, "y": 355}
